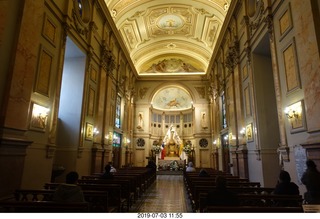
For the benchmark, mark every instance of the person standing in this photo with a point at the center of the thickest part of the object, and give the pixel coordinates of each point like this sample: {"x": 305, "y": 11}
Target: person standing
{"x": 311, "y": 179}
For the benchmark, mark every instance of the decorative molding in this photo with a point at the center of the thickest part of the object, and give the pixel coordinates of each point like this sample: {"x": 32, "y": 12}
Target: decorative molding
{"x": 107, "y": 60}
{"x": 232, "y": 58}
{"x": 51, "y": 149}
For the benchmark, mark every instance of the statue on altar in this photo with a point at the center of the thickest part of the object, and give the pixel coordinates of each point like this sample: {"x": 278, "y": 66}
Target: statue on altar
{"x": 172, "y": 143}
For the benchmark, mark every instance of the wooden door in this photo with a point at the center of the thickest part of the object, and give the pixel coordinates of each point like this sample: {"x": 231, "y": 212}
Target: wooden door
{"x": 204, "y": 158}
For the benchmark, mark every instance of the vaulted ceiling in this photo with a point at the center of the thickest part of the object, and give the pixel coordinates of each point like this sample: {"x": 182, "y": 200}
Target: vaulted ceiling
{"x": 169, "y": 37}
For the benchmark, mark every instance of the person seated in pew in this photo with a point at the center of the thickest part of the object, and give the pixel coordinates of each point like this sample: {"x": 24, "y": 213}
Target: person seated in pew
{"x": 70, "y": 191}
{"x": 112, "y": 170}
{"x": 190, "y": 167}
{"x": 204, "y": 173}
{"x": 107, "y": 173}
{"x": 286, "y": 187}
{"x": 221, "y": 196}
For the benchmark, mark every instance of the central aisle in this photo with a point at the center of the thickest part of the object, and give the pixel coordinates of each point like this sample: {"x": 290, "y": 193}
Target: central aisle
{"x": 167, "y": 194}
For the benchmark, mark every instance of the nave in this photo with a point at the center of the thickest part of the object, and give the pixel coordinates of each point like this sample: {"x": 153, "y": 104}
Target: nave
{"x": 166, "y": 194}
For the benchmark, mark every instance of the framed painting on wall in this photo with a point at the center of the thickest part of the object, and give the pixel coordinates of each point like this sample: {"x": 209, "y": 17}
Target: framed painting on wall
{"x": 296, "y": 117}
{"x": 249, "y": 133}
{"x": 89, "y": 131}
{"x": 39, "y": 117}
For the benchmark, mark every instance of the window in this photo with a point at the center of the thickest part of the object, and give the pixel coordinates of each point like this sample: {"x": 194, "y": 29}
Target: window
{"x": 118, "y": 111}
{"x": 116, "y": 140}
{"x": 224, "y": 113}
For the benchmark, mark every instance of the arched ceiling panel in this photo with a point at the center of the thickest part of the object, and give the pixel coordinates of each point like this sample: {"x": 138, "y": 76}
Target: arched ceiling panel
{"x": 169, "y": 32}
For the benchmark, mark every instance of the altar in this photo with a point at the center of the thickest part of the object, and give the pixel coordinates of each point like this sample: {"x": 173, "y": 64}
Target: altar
{"x": 171, "y": 163}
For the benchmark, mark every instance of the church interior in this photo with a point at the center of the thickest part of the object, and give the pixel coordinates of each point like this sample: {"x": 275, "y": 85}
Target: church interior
{"x": 230, "y": 85}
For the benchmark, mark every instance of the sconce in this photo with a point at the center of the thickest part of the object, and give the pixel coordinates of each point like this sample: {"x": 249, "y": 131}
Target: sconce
{"x": 109, "y": 138}
{"x": 95, "y": 131}
{"x": 126, "y": 142}
{"x": 243, "y": 132}
{"x": 293, "y": 111}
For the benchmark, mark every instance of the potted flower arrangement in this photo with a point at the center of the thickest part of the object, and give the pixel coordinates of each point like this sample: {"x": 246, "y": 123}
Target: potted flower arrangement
{"x": 156, "y": 149}
{"x": 187, "y": 148}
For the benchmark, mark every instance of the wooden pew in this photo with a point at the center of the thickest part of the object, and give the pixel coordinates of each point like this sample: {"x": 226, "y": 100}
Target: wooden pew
{"x": 43, "y": 206}
{"x": 259, "y": 200}
{"x": 200, "y": 190}
{"x": 98, "y": 200}
{"x": 128, "y": 187}
{"x": 114, "y": 193}
{"x": 252, "y": 209}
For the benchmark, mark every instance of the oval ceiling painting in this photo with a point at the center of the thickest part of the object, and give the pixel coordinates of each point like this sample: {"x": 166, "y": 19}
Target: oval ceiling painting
{"x": 170, "y": 21}
{"x": 172, "y": 98}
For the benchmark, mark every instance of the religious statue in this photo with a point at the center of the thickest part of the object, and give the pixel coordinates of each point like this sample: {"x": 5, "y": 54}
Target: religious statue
{"x": 140, "y": 121}
{"x": 172, "y": 142}
{"x": 204, "y": 123}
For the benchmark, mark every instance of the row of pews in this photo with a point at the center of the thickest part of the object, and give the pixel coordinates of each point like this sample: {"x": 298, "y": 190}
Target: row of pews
{"x": 252, "y": 197}
{"x": 101, "y": 195}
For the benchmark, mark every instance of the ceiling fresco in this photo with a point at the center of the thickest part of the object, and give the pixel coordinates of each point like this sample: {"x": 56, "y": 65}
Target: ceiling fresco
{"x": 172, "y": 98}
{"x": 169, "y": 37}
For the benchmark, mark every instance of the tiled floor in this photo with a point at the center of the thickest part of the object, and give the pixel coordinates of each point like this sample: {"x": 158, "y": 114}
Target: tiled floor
{"x": 167, "y": 194}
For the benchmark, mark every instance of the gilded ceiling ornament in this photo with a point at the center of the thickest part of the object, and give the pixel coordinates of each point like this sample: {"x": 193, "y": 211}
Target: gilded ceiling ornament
{"x": 171, "y": 46}
{"x": 142, "y": 92}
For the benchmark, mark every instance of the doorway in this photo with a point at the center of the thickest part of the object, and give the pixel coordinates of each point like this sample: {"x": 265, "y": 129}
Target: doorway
{"x": 70, "y": 106}
{"x": 267, "y": 124}
{"x": 225, "y": 153}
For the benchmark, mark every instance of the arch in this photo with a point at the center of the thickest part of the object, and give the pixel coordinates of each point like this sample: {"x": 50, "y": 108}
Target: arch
{"x": 172, "y": 97}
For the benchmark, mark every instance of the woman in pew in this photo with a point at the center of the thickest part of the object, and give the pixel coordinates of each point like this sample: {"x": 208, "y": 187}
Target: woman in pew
{"x": 204, "y": 173}
{"x": 221, "y": 196}
{"x": 190, "y": 167}
{"x": 285, "y": 186}
{"x": 107, "y": 173}
{"x": 70, "y": 191}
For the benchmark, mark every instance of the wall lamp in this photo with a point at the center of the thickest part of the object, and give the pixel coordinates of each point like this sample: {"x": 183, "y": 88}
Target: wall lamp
{"x": 95, "y": 131}
{"x": 293, "y": 111}
{"x": 109, "y": 138}
{"x": 243, "y": 132}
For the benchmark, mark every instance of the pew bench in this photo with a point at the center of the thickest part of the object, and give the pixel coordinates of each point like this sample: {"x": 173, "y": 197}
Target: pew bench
{"x": 114, "y": 193}
{"x": 259, "y": 200}
{"x": 252, "y": 209}
{"x": 43, "y": 206}
{"x": 98, "y": 200}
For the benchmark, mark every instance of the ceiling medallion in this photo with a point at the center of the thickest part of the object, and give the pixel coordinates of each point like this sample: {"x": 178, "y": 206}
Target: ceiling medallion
{"x": 170, "y": 22}
{"x": 171, "y": 46}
